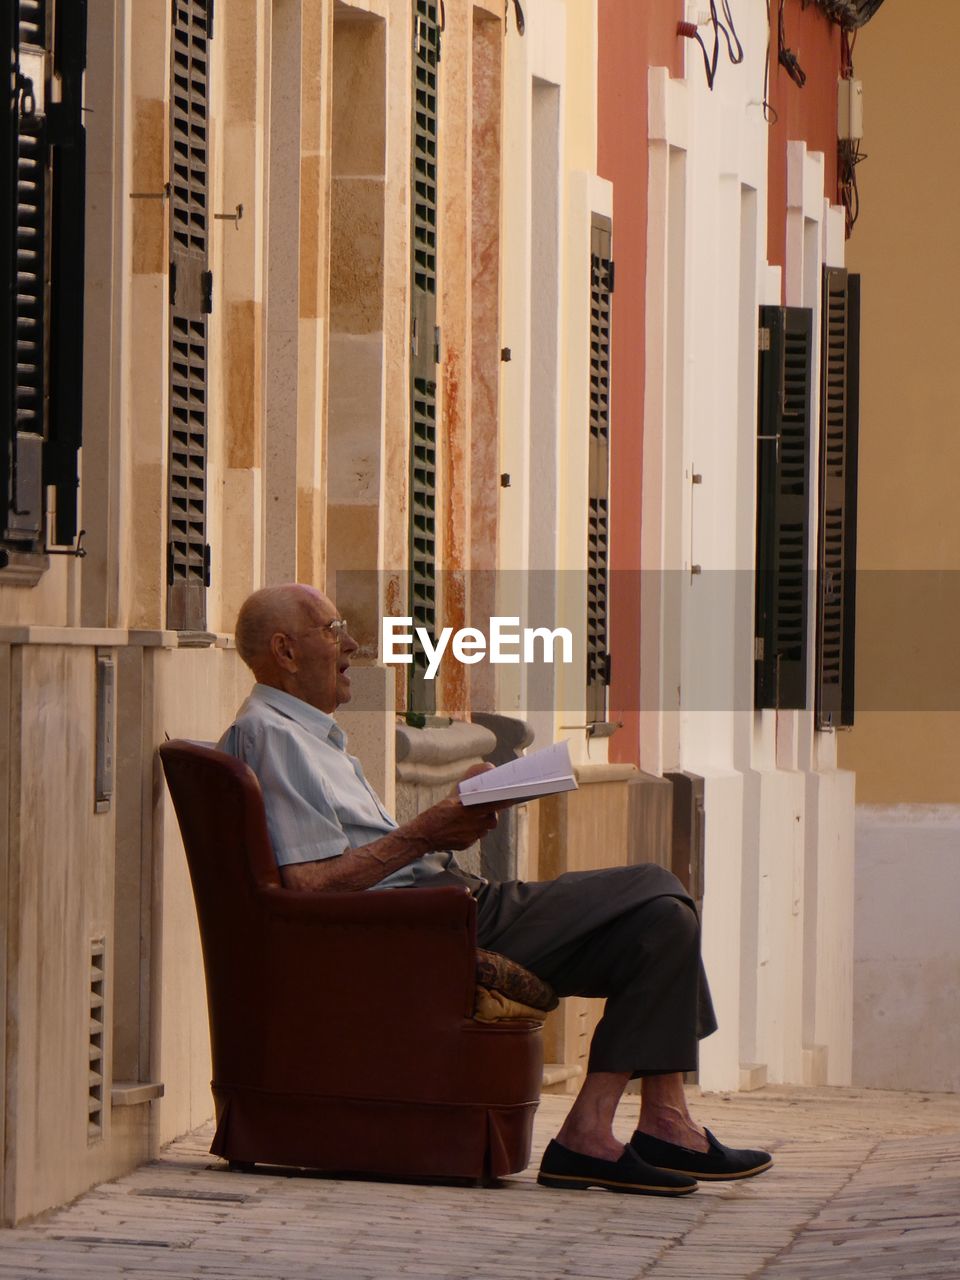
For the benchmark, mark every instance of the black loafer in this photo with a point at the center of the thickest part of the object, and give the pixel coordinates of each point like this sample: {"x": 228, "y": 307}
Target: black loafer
{"x": 572, "y": 1171}
{"x": 718, "y": 1163}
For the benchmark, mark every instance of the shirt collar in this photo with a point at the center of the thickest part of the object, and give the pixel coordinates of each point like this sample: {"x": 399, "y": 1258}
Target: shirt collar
{"x": 318, "y": 722}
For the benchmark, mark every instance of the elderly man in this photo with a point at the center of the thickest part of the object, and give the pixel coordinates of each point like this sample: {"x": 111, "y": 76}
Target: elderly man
{"x": 630, "y": 934}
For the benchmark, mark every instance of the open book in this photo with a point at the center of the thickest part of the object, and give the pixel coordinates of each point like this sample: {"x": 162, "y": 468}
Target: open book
{"x": 540, "y": 774}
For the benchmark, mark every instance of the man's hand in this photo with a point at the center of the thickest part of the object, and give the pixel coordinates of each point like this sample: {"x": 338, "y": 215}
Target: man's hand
{"x": 451, "y": 824}
{"x": 482, "y": 767}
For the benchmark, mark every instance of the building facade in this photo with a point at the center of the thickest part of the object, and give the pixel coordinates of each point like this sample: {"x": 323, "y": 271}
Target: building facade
{"x": 454, "y": 310}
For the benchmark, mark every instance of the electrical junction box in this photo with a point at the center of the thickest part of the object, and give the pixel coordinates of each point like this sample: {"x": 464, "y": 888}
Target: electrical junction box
{"x": 850, "y": 110}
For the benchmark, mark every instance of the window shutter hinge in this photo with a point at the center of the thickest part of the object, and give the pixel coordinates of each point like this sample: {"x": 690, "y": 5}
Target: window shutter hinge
{"x": 206, "y": 286}
{"x": 606, "y": 669}
{"x": 210, "y": 4}
{"x": 758, "y": 648}
{"x": 169, "y": 564}
{"x": 611, "y": 275}
{"x": 173, "y": 283}
{"x": 763, "y": 338}
{"x": 206, "y": 565}
{"x": 436, "y": 344}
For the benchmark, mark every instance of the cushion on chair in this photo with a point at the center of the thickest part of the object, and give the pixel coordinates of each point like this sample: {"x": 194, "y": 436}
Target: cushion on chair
{"x": 494, "y": 1006}
{"x": 496, "y": 973}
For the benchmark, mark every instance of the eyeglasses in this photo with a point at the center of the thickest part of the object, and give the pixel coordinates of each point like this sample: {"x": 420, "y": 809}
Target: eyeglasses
{"x": 337, "y": 629}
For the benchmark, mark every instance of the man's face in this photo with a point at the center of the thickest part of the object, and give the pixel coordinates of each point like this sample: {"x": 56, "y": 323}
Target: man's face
{"x": 322, "y": 655}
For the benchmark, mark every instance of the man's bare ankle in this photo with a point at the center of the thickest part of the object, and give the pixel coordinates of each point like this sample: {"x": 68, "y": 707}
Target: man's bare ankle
{"x": 590, "y": 1144}
{"x": 669, "y": 1124}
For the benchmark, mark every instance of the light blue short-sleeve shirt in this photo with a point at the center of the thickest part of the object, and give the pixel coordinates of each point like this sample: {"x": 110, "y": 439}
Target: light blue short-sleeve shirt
{"x": 317, "y": 801}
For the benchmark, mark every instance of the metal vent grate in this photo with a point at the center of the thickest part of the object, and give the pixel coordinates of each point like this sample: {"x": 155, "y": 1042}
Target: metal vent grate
{"x": 96, "y": 1035}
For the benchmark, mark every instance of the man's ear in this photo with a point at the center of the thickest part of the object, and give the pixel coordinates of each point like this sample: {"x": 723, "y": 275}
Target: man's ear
{"x": 282, "y": 651}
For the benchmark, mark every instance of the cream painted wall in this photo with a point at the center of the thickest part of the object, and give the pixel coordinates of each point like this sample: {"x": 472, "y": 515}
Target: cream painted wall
{"x": 195, "y": 695}
{"x": 550, "y": 192}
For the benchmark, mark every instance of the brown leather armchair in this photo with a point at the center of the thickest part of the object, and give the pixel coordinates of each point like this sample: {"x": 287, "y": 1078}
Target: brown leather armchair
{"x": 340, "y": 1023}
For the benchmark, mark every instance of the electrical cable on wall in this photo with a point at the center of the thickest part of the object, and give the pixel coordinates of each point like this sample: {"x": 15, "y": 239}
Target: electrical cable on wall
{"x": 729, "y": 30}
{"x": 769, "y": 112}
{"x": 849, "y": 154}
{"x": 849, "y": 14}
{"x": 518, "y": 15}
{"x": 726, "y": 27}
{"x": 786, "y": 57}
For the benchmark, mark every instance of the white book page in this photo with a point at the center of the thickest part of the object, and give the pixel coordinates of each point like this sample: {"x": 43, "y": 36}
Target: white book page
{"x": 551, "y": 764}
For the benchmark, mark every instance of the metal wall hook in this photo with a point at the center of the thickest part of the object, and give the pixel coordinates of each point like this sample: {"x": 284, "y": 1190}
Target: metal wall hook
{"x": 78, "y": 551}
{"x": 152, "y": 195}
{"x": 27, "y": 95}
{"x": 231, "y": 217}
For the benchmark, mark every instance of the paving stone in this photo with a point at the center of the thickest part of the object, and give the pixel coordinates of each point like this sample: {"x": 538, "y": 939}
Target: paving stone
{"x": 840, "y": 1201}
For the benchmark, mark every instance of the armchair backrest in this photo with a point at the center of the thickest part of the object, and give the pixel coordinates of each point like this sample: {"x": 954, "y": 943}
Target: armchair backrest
{"x": 220, "y": 810}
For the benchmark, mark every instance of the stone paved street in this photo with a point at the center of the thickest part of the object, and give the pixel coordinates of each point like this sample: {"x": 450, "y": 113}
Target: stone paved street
{"x": 866, "y": 1184}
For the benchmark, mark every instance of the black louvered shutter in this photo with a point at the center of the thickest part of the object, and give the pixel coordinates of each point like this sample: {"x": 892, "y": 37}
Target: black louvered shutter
{"x": 424, "y": 346}
{"x": 68, "y": 145}
{"x": 188, "y": 555}
{"x": 783, "y": 484}
{"x": 837, "y": 558}
{"x": 25, "y": 244}
{"x": 42, "y": 154}
{"x": 598, "y": 480}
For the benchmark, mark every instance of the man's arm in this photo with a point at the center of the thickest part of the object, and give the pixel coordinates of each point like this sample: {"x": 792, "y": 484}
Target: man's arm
{"x": 447, "y": 825}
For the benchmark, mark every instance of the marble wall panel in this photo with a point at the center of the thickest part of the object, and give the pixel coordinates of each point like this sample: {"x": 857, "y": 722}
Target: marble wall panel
{"x": 356, "y": 255}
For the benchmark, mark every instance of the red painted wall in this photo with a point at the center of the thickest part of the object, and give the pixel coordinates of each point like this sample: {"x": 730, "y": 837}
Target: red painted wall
{"x": 632, "y": 37}
{"x": 808, "y": 114}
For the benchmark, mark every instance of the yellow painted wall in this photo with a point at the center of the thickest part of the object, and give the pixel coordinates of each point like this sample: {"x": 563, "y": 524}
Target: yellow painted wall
{"x": 906, "y": 247}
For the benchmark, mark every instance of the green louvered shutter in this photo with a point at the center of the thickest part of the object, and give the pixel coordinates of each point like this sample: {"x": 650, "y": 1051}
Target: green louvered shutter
{"x": 598, "y": 479}
{"x": 783, "y": 490}
{"x": 837, "y": 557}
{"x": 188, "y": 555}
{"x": 424, "y": 346}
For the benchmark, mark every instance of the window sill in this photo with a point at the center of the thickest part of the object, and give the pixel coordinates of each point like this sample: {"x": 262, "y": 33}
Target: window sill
{"x": 22, "y": 568}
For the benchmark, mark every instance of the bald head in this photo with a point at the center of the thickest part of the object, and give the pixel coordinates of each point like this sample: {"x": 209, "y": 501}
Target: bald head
{"x": 288, "y": 608}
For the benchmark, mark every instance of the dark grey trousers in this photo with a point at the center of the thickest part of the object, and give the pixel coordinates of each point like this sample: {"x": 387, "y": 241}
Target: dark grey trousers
{"x": 629, "y": 934}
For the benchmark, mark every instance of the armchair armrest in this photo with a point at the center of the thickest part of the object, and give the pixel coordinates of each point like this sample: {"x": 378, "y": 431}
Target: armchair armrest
{"x": 404, "y": 908}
